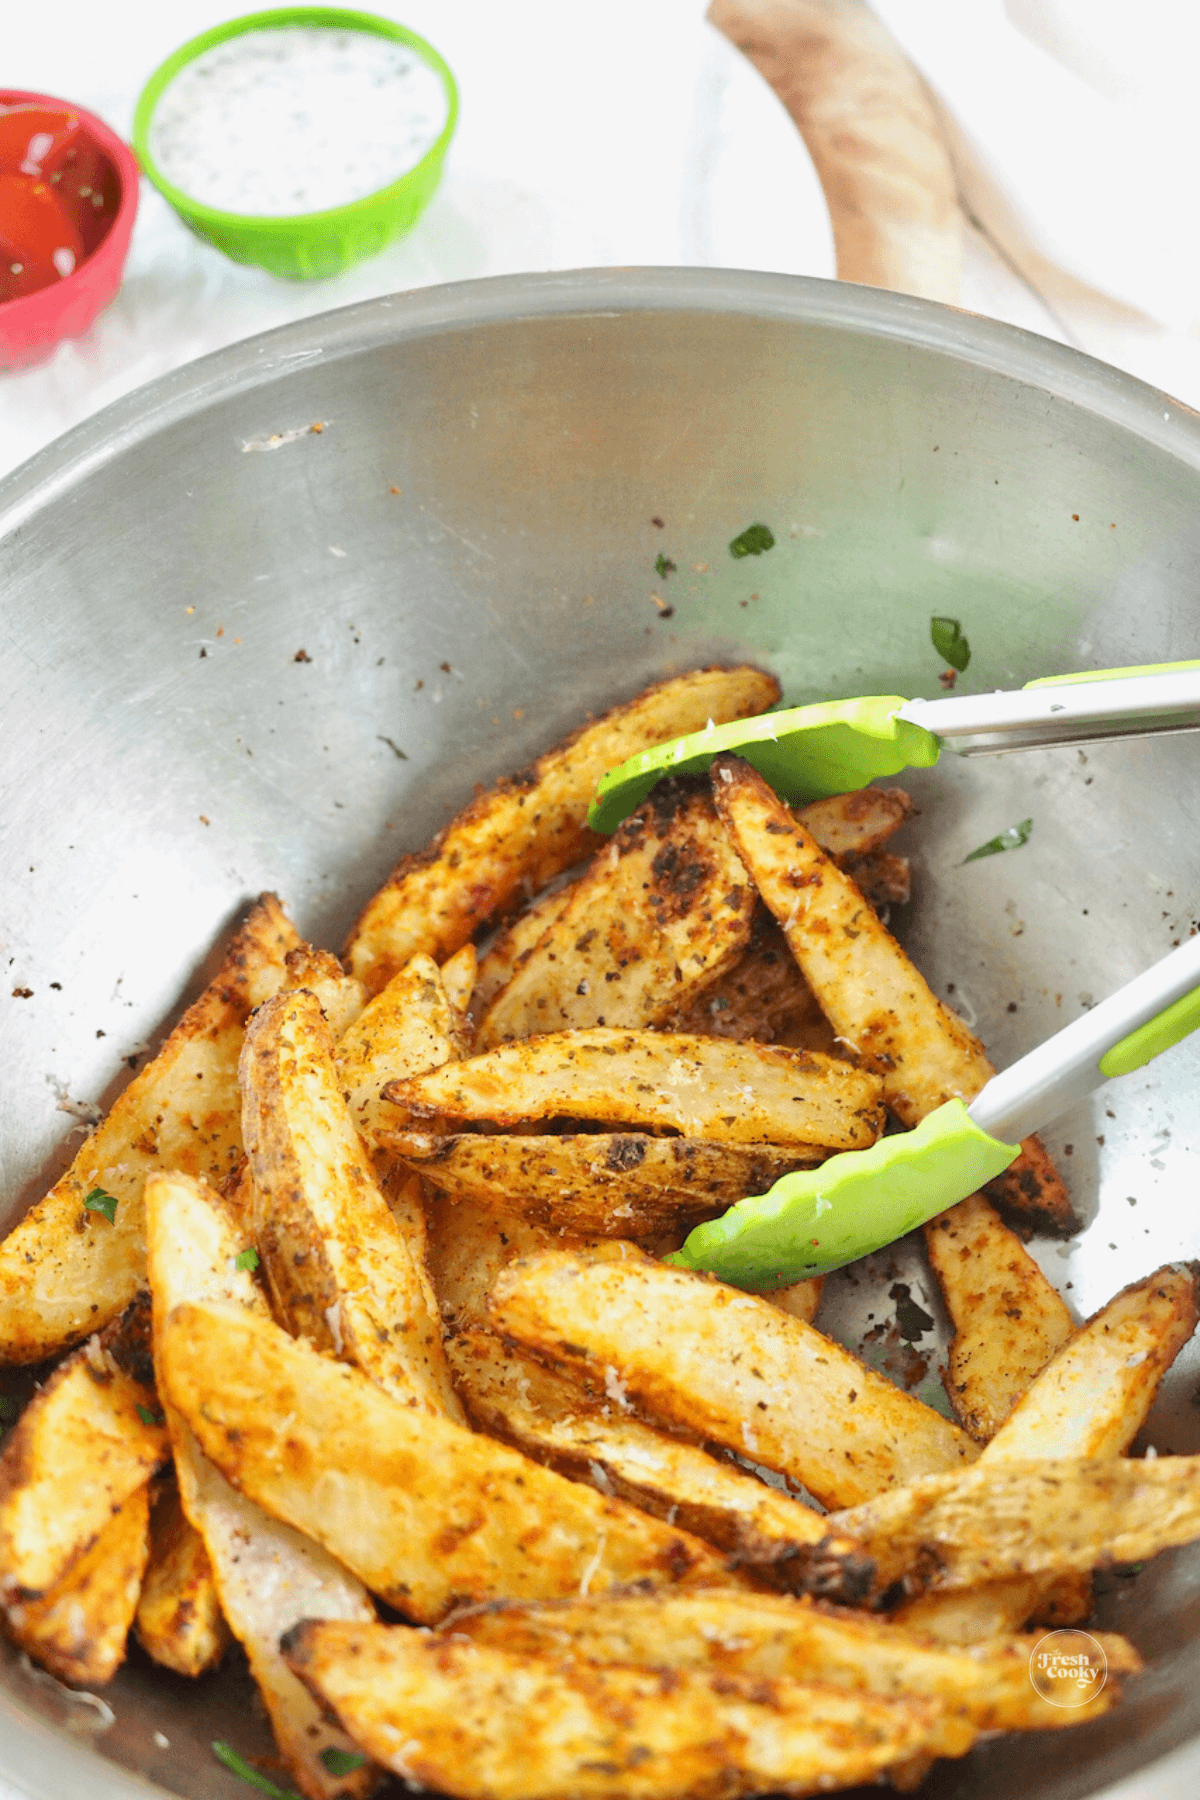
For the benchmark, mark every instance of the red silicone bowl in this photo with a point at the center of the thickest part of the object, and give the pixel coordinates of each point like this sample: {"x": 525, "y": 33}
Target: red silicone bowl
{"x": 33, "y": 324}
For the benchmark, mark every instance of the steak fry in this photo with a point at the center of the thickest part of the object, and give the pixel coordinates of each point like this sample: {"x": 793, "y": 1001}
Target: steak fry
{"x": 430, "y": 1516}
{"x": 267, "y": 1576}
{"x": 476, "y": 1722}
{"x": 65, "y": 1271}
{"x": 601, "y": 1443}
{"x": 179, "y": 1619}
{"x": 766, "y": 1635}
{"x": 597, "y": 1185}
{"x": 526, "y": 829}
{"x": 1008, "y": 1320}
{"x": 867, "y": 987}
{"x": 739, "y": 1093}
{"x": 340, "y": 1268}
{"x": 660, "y": 914}
{"x": 730, "y": 1366}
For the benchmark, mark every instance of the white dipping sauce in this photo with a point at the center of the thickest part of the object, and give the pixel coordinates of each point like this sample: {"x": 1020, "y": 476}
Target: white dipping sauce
{"x": 296, "y": 120}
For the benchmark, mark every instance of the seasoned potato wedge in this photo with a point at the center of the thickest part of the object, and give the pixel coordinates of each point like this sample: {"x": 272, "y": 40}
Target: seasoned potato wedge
{"x": 660, "y": 914}
{"x": 601, "y": 1184}
{"x": 179, "y": 1620}
{"x": 1008, "y": 1320}
{"x": 343, "y": 1273}
{"x": 267, "y": 1576}
{"x": 474, "y": 1721}
{"x": 600, "y": 1442}
{"x": 512, "y": 945}
{"x": 86, "y": 1441}
{"x": 1031, "y": 1195}
{"x": 528, "y": 828}
{"x": 410, "y": 1027}
{"x": 1063, "y": 1516}
{"x": 341, "y": 998}
{"x": 800, "y": 1298}
{"x": 770, "y": 1636}
{"x": 867, "y": 987}
{"x": 729, "y": 1366}
{"x": 469, "y": 1244}
{"x": 738, "y": 1093}
{"x": 857, "y": 824}
{"x": 458, "y": 975}
{"x": 763, "y": 996}
{"x": 65, "y": 1271}
{"x": 78, "y": 1629}
{"x": 427, "y": 1514}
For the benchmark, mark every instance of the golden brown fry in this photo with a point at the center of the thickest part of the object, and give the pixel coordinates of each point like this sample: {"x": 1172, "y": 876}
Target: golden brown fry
{"x": 601, "y": 1184}
{"x": 512, "y": 946}
{"x": 78, "y": 1451}
{"x": 267, "y": 1576}
{"x": 65, "y": 1271}
{"x": 427, "y": 1514}
{"x": 340, "y": 1268}
{"x": 1008, "y": 1320}
{"x": 473, "y": 1721}
{"x": 768, "y": 1635}
{"x": 739, "y": 1093}
{"x": 341, "y": 998}
{"x": 458, "y": 974}
{"x": 78, "y": 1629}
{"x": 1090, "y": 1400}
{"x": 179, "y": 1620}
{"x": 867, "y": 988}
{"x": 764, "y": 997}
{"x": 1031, "y": 1195}
{"x": 729, "y": 1366}
{"x": 555, "y": 1422}
{"x": 468, "y": 1246}
{"x": 857, "y": 824}
{"x": 800, "y": 1298}
{"x": 866, "y": 985}
{"x": 1062, "y": 1516}
{"x": 408, "y": 1028}
{"x": 526, "y": 829}
{"x": 661, "y": 913}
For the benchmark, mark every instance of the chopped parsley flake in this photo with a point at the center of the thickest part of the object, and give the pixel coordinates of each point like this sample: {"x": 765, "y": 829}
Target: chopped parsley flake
{"x": 949, "y": 642}
{"x": 246, "y": 1259}
{"x": 1012, "y": 839}
{"x": 663, "y": 566}
{"x": 753, "y": 541}
{"x": 100, "y": 1201}
{"x": 148, "y": 1416}
{"x": 342, "y": 1762}
{"x": 226, "y": 1754}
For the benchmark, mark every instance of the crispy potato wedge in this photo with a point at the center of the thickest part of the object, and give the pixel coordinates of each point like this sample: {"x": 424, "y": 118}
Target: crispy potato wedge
{"x": 764, "y": 997}
{"x": 1090, "y": 1400}
{"x": 660, "y": 915}
{"x": 769, "y": 1636}
{"x": 729, "y": 1366}
{"x": 64, "y": 1271}
{"x": 77, "y": 1453}
{"x": 179, "y": 1620}
{"x": 458, "y": 974}
{"x": 857, "y": 824}
{"x": 427, "y": 1514}
{"x": 79, "y": 1628}
{"x": 738, "y": 1093}
{"x": 1031, "y": 1196}
{"x": 605, "y": 1184}
{"x": 469, "y": 1244}
{"x": 1062, "y": 1516}
{"x": 267, "y": 1576}
{"x": 528, "y": 828}
{"x": 474, "y": 1721}
{"x": 501, "y": 961}
{"x": 882, "y": 878}
{"x": 340, "y": 1268}
{"x": 550, "y": 1419}
{"x": 410, "y": 1027}
{"x": 867, "y": 987}
{"x": 800, "y": 1298}
{"x": 1008, "y": 1320}
{"x": 341, "y": 997}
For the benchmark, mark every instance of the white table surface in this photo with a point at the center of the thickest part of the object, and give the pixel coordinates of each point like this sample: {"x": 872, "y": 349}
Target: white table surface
{"x": 634, "y": 134}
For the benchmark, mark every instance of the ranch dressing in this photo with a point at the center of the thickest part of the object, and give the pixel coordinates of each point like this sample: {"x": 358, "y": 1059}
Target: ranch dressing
{"x": 296, "y": 120}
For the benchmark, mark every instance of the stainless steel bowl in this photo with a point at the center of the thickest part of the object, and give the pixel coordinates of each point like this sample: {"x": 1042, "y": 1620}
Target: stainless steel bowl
{"x": 464, "y": 554}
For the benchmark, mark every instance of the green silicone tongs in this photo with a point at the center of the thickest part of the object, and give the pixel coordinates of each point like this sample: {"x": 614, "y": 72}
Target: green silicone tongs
{"x": 812, "y": 752}
{"x": 818, "y": 1219}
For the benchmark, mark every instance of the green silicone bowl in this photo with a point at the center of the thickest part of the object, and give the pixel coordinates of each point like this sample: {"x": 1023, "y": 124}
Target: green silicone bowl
{"x": 303, "y": 246}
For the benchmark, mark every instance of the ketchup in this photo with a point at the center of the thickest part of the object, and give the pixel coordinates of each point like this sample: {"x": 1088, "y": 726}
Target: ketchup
{"x": 58, "y": 197}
